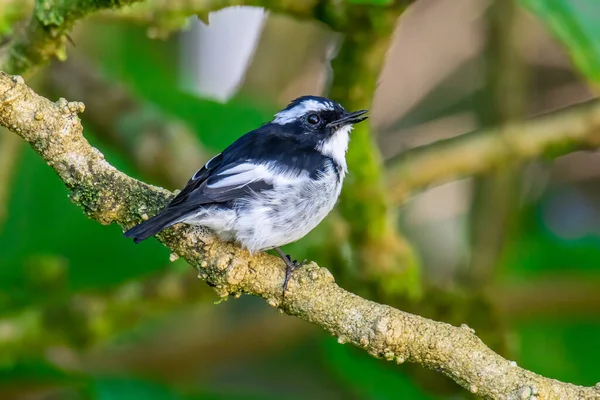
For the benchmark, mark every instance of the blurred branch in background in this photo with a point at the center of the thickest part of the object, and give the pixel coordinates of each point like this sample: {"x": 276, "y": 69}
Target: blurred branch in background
{"x": 161, "y": 147}
{"x": 107, "y": 195}
{"x": 44, "y": 36}
{"x": 565, "y": 296}
{"x": 46, "y": 33}
{"x": 165, "y": 16}
{"x": 204, "y": 339}
{"x": 496, "y": 193}
{"x": 86, "y": 319}
{"x": 550, "y": 135}
{"x": 383, "y": 257}
{"x": 10, "y": 148}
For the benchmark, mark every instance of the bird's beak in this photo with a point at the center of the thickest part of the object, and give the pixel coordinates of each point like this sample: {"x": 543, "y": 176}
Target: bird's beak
{"x": 350, "y": 118}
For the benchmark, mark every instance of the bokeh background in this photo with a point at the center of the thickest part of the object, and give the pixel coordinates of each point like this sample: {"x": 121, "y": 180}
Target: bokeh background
{"x": 513, "y": 252}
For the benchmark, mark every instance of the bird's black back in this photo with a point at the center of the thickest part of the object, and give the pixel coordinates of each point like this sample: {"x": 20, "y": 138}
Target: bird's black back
{"x": 290, "y": 151}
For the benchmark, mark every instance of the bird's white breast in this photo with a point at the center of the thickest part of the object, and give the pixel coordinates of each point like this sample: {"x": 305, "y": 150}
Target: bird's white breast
{"x": 286, "y": 213}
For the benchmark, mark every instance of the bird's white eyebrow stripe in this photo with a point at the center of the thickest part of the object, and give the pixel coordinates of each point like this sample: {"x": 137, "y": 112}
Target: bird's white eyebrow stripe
{"x": 290, "y": 115}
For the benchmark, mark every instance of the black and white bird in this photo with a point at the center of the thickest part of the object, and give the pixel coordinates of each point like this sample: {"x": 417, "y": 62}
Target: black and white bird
{"x": 271, "y": 186}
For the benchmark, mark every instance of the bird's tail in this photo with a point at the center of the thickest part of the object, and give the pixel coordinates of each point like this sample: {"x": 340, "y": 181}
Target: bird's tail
{"x": 154, "y": 225}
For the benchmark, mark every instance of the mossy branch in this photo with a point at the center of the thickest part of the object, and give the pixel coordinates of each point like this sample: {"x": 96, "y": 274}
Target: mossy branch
{"x": 45, "y": 35}
{"x": 107, "y": 195}
{"x": 385, "y": 260}
{"x": 165, "y": 16}
{"x": 496, "y": 194}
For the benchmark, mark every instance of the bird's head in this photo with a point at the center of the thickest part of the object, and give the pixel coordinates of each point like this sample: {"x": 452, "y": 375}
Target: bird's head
{"x": 320, "y": 121}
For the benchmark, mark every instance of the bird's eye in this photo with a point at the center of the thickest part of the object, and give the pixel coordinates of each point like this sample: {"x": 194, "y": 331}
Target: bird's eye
{"x": 313, "y": 119}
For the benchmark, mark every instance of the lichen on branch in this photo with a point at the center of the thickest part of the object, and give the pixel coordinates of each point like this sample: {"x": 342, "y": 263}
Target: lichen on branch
{"x": 107, "y": 195}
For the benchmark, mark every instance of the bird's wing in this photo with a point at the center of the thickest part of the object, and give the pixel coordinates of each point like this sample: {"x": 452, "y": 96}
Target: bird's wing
{"x": 238, "y": 181}
{"x": 257, "y": 161}
{"x": 219, "y": 182}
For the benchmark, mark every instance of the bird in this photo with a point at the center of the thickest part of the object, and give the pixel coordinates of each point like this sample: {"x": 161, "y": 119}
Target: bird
{"x": 271, "y": 186}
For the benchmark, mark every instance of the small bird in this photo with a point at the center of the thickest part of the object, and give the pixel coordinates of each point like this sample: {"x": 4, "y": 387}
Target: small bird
{"x": 271, "y": 186}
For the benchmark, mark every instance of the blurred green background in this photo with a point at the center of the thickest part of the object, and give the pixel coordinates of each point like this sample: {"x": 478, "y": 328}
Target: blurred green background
{"x": 515, "y": 253}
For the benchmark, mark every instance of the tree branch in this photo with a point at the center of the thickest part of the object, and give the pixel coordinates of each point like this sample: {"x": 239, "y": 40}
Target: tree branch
{"x": 554, "y": 134}
{"x": 550, "y": 296}
{"x": 107, "y": 195}
{"x": 495, "y": 198}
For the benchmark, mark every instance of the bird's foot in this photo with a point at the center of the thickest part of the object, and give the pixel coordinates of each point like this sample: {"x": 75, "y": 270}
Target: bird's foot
{"x": 290, "y": 267}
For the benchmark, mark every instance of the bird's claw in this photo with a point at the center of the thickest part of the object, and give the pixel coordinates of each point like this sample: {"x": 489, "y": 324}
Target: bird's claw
{"x": 291, "y": 266}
